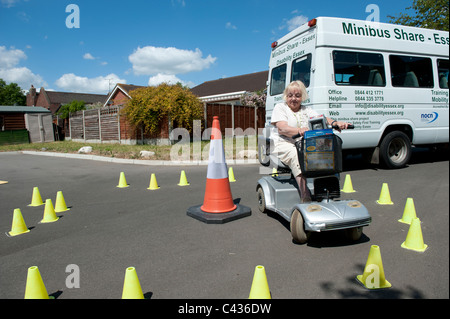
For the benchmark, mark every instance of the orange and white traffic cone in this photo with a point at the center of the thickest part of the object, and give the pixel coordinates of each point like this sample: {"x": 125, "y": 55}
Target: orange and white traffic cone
{"x": 218, "y": 198}
{"x": 218, "y": 206}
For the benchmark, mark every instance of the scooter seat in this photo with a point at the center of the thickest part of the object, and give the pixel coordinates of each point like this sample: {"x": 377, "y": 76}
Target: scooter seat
{"x": 276, "y": 163}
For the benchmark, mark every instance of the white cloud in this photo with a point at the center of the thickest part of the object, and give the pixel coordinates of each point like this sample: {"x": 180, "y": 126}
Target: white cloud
{"x": 296, "y": 22}
{"x": 101, "y": 84}
{"x": 10, "y": 58}
{"x": 8, "y": 3}
{"x": 180, "y": 2}
{"x": 23, "y": 77}
{"x": 10, "y": 72}
{"x": 293, "y": 23}
{"x": 88, "y": 56}
{"x": 167, "y": 78}
{"x": 151, "y": 60}
{"x": 163, "y": 78}
{"x": 230, "y": 26}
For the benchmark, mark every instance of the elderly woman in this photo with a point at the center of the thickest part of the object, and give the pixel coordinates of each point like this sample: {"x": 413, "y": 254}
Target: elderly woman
{"x": 291, "y": 118}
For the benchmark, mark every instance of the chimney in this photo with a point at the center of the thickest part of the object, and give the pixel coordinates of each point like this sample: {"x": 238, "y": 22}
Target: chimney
{"x": 31, "y": 96}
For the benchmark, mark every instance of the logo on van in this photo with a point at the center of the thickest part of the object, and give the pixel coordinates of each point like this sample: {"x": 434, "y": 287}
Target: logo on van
{"x": 429, "y": 117}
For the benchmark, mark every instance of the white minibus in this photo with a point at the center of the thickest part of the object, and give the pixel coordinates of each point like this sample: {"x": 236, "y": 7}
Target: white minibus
{"x": 389, "y": 81}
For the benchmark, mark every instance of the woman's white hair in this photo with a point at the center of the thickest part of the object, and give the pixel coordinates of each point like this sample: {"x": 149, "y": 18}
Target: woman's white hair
{"x": 298, "y": 84}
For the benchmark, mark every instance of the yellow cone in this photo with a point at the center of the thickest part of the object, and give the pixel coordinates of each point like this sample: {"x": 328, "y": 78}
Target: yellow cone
{"x": 153, "y": 183}
{"x": 35, "y": 288}
{"x": 409, "y": 213}
{"x": 385, "y": 197}
{"x": 18, "y": 224}
{"x": 122, "y": 181}
{"x": 414, "y": 239}
{"x": 348, "y": 187}
{"x": 183, "y": 179}
{"x": 260, "y": 287}
{"x": 60, "y": 205}
{"x": 49, "y": 213}
{"x": 36, "y": 200}
{"x": 131, "y": 286}
{"x": 373, "y": 276}
{"x": 274, "y": 172}
{"x": 231, "y": 175}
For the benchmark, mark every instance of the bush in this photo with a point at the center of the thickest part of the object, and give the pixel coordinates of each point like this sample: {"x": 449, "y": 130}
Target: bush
{"x": 148, "y": 106}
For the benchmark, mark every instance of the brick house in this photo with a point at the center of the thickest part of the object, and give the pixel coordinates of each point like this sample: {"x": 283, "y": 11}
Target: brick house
{"x": 52, "y": 100}
{"x": 222, "y": 97}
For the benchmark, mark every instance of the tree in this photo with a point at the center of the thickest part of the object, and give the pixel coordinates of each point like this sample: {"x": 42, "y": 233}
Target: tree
{"x": 430, "y": 14}
{"x": 11, "y": 94}
{"x": 148, "y": 106}
{"x": 72, "y": 107}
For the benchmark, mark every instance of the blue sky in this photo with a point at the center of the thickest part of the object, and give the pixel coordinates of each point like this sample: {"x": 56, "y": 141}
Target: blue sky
{"x": 149, "y": 42}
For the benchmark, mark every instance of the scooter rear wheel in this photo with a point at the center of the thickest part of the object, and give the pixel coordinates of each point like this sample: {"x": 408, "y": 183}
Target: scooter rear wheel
{"x": 299, "y": 235}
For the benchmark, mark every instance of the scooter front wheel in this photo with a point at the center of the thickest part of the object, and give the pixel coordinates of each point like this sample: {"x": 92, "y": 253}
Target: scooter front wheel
{"x": 261, "y": 200}
{"x": 299, "y": 235}
{"x": 354, "y": 234}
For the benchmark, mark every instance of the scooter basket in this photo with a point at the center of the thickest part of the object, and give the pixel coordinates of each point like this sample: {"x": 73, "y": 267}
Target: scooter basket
{"x": 320, "y": 153}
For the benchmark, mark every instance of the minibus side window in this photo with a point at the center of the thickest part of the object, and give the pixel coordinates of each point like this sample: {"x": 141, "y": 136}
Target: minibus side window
{"x": 278, "y": 80}
{"x": 443, "y": 73}
{"x": 408, "y": 71}
{"x": 359, "y": 68}
{"x": 301, "y": 70}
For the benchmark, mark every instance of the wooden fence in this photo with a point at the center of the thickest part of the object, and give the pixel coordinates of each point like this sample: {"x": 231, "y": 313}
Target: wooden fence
{"x": 98, "y": 126}
{"x": 107, "y": 125}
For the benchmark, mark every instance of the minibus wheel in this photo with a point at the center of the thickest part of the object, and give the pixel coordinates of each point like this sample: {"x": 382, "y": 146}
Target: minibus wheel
{"x": 395, "y": 150}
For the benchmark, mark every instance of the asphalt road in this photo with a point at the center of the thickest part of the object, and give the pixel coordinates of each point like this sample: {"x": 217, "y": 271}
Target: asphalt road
{"x": 109, "y": 229}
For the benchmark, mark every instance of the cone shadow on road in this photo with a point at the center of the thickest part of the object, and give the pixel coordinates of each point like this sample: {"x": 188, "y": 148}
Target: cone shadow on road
{"x": 351, "y": 290}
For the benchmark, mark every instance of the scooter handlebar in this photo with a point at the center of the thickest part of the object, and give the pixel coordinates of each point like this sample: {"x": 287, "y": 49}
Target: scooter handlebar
{"x": 349, "y": 127}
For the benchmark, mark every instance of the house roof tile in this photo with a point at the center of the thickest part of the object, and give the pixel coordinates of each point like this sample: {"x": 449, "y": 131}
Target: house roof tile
{"x": 248, "y": 82}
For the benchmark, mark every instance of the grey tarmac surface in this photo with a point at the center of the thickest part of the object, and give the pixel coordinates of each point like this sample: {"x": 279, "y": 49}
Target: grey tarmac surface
{"x": 177, "y": 257}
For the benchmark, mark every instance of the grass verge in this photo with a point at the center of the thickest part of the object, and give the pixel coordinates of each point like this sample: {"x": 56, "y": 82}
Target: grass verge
{"x": 232, "y": 147}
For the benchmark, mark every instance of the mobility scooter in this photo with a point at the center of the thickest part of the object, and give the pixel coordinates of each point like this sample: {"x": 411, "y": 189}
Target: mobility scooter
{"x": 320, "y": 156}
